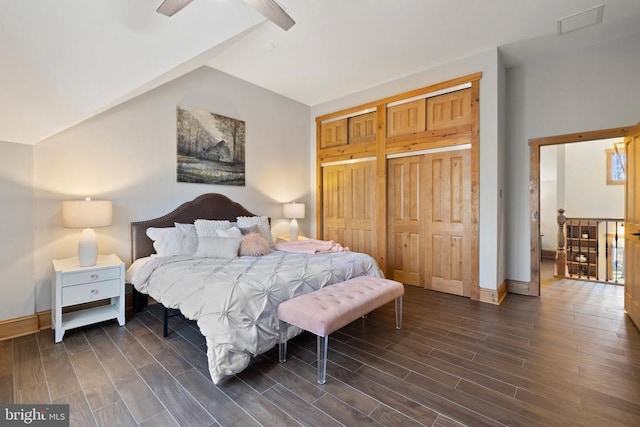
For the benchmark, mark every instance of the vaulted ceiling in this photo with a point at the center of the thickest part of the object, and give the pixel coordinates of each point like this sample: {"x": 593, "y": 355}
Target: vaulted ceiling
{"x": 64, "y": 61}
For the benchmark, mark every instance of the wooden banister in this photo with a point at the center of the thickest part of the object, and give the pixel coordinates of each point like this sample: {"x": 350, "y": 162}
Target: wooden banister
{"x": 590, "y": 249}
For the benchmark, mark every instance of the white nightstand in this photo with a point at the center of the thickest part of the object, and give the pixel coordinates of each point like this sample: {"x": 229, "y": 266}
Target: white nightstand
{"x": 77, "y": 285}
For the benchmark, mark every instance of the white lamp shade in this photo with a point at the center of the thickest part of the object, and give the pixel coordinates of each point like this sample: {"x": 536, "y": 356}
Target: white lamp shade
{"x": 86, "y": 213}
{"x": 293, "y": 210}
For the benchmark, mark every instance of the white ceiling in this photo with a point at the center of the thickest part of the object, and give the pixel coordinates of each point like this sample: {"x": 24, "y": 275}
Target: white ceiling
{"x": 64, "y": 61}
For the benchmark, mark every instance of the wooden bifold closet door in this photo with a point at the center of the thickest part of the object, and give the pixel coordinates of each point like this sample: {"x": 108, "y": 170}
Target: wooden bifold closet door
{"x": 348, "y": 205}
{"x": 429, "y": 220}
{"x": 398, "y": 179}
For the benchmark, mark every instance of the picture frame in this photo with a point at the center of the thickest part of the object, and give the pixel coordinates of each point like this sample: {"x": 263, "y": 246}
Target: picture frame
{"x": 210, "y": 148}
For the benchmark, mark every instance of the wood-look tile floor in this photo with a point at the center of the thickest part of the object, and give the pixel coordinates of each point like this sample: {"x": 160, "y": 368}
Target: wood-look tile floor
{"x": 570, "y": 357}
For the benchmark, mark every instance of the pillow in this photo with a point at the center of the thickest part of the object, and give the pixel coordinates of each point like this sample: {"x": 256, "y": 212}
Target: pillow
{"x": 189, "y": 242}
{"x": 207, "y": 227}
{"x": 232, "y": 232}
{"x": 218, "y": 247}
{"x": 263, "y": 224}
{"x": 166, "y": 241}
{"x": 250, "y": 229}
{"x": 253, "y": 244}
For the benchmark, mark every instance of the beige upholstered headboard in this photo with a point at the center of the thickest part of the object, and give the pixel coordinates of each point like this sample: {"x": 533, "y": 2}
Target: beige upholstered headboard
{"x": 206, "y": 206}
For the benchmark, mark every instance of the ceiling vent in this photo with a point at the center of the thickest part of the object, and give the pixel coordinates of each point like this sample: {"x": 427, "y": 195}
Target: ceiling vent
{"x": 580, "y": 20}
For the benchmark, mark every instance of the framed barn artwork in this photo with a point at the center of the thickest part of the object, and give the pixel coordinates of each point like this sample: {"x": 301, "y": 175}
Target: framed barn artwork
{"x": 210, "y": 148}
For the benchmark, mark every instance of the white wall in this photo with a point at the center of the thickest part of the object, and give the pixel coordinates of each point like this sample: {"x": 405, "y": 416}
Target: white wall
{"x": 500, "y": 167}
{"x": 489, "y": 64}
{"x": 590, "y": 89}
{"x": 128, "y": 155}
{"x": 550, "y": 168}
{"x": 587, "y": 194}
{"x": 16, "y": 229}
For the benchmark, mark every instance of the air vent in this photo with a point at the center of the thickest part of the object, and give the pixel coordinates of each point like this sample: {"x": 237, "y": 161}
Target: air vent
{"x": 580, "y": 20}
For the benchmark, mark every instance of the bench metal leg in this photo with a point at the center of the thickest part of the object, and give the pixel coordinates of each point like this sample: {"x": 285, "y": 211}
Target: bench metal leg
{"x": 399, "y": 312}
{"x": 323, "y": 345}
{"x": 282, "y": 344}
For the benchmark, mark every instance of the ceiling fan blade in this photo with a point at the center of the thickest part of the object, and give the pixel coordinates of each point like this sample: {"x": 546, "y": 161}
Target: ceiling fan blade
{"x": 273, "y": 12}
{"x": 171, "y": 7}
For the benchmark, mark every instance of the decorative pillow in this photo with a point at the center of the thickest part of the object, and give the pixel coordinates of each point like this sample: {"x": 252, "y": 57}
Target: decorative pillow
{"x": 263, "y": 224}
{"x": 166, "y": 241}
{"x": 232, "y": 232}
{"x": 250, "y": 229}
{"x": 189, "y": 242}
{"x": 218, "y": 247}
{"x": 207, "y": 227}
{"x": 253, "y": 244}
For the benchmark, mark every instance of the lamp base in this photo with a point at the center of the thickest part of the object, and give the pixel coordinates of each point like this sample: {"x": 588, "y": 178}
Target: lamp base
{"x": 88, "y": 248}
{"x": 293, "y": 229}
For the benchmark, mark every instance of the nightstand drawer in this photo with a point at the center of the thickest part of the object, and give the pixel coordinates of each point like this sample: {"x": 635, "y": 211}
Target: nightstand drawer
{"x": 90, "y": 276}
{"x": 90, "y": 292}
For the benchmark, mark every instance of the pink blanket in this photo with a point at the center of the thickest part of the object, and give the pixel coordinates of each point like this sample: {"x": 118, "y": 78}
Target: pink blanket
{"x": 310, "y": 246}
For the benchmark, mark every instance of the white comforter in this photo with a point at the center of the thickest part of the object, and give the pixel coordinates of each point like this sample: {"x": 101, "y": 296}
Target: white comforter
{"x": 234, "y": 301}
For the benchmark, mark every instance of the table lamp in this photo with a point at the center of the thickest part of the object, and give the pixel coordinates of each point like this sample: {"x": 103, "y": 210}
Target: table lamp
{"x": 87, "y": 214}
{"x": 293, "y": 210}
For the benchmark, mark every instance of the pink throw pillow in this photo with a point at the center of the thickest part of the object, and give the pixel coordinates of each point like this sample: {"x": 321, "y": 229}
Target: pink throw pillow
{"x": 253, "y": 244}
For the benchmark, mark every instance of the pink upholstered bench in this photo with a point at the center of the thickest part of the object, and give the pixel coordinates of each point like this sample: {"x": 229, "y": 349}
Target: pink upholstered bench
{"x": 330, "y": 308}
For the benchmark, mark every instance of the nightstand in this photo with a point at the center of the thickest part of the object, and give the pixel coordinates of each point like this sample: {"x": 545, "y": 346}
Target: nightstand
{"x": 78, "y": 285}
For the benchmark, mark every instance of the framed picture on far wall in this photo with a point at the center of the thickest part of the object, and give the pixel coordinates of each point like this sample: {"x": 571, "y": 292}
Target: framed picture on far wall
{"x": 616, "y": 163}
{"x": 210, "y": 148}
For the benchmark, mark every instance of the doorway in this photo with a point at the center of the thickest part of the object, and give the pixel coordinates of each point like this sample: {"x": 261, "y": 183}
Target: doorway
{"x": 535, "y": 185}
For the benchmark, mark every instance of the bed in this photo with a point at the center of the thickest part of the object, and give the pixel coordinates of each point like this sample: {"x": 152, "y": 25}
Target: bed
{"x": 233, "y": 301}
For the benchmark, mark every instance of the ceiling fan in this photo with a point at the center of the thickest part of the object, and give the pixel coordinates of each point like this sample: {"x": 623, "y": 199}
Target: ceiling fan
{"x": 269, "y": 8}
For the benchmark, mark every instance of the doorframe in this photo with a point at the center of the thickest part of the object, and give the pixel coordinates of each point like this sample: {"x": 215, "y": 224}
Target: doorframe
{"x": 534, "y": 188}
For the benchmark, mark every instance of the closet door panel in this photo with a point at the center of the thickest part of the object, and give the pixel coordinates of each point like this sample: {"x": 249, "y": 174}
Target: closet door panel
{"x": 362, "y": 128}
{"x": 448, "y": 219}
{"x": 362, "y": 192}
{"x": 333, "y": 209}
{"x": 406, "y": 252}
{"x": 435, "y": 204}
{"x": 348, "y": 205}
{"x": 361, "y": 199}
{"x": 333, "y": 133}
{"x": 458, "y": 199}
{"x": 405, "y": 228}
{"x": 449, "y": 110}
{"x": 406, "y": 118}
{"x": 361, "y": 241}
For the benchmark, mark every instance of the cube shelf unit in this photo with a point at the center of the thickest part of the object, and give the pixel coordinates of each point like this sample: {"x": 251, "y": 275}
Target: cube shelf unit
{"x": 582, "y": 248}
